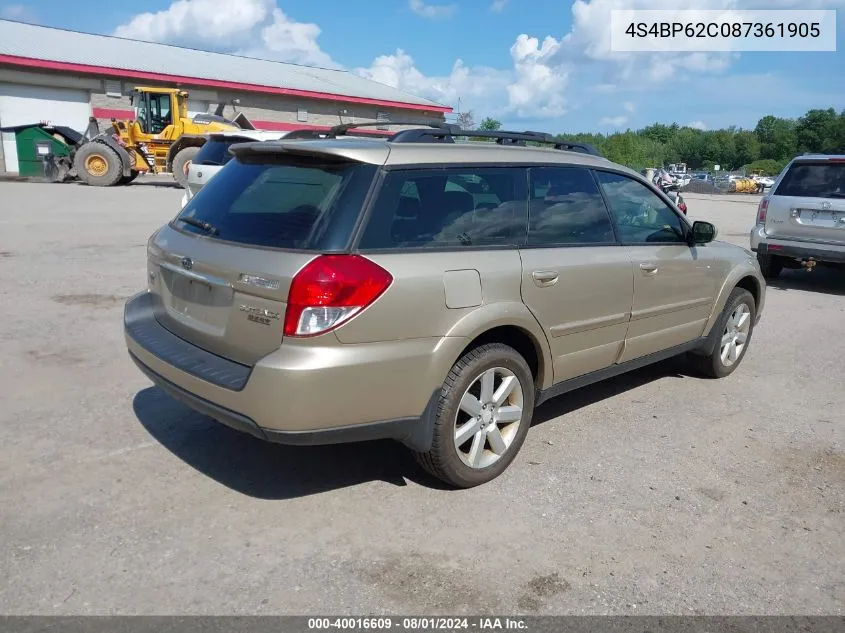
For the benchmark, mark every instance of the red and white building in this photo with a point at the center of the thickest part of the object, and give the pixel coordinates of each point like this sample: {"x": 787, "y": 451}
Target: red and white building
{"x": 65, "y": 77}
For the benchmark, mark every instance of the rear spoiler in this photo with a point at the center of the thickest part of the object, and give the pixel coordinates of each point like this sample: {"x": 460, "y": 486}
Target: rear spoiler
{"x": 301, "y": 147}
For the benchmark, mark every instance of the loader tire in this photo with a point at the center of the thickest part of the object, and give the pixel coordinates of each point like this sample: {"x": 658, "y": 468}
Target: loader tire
{"x": 181, "y": 162}
{"x": 98, "y": 165}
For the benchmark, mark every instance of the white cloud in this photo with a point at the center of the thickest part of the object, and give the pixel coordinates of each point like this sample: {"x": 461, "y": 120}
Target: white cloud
{"x": 213, "y": 21}
{"x": 549, "y": 73}
{"x": 472, "y": 86}
{"x": 614, "y": 121}
{"x": 538, "y": 86}
{"x": 698, "y": 125}
{"x": 256, "y": 28}
{"x": 288, "y": 40}
{"x": 18, "y": 12}
{"x": 432, "y": 10}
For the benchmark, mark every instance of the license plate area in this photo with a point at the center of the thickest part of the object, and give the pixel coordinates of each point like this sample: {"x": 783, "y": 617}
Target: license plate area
{"x": 190, "y": 293}
{"x": 199, "y": 305}
{"x": 822, "y": 218}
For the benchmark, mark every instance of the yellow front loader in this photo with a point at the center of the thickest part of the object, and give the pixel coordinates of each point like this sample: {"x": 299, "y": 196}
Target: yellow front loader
{"x": 161, "y": 139}
{"x": 746, "y": 185}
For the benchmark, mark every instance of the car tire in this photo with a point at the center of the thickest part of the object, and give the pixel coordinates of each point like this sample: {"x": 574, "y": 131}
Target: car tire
{"x": 493, "y": 437}
{"x": 98, "y": 165}
{"x": 735, "y": 327}
{"x": 181, "y": 162}
{"x": 770, "y": 265}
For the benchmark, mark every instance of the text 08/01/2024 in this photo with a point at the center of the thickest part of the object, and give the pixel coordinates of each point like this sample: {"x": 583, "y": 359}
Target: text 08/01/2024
{"x": 416, "y": 623}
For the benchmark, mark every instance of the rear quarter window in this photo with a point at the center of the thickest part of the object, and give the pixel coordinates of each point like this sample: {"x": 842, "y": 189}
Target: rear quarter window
{"x": 814, "y": 180}
{"x": 454, "y": 208}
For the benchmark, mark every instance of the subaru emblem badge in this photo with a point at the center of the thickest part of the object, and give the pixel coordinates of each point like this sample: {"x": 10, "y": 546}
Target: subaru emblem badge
{"x": 187, "y": 263}
{"x": 826, "y": 205}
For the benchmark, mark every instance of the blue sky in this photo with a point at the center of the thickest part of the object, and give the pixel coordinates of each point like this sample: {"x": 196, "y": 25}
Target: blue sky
{"x": 533, "y": 64}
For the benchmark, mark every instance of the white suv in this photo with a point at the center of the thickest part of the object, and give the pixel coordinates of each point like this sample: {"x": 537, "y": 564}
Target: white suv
{"x": 802, "y": 221}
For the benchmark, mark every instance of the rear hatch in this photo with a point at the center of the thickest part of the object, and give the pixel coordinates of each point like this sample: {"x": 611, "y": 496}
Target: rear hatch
{"x": 808, "y": 204}
{"x": 222, "y": 269}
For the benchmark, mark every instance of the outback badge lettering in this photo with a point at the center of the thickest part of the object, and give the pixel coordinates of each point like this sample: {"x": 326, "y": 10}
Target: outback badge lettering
{"x": 259, "y": 315}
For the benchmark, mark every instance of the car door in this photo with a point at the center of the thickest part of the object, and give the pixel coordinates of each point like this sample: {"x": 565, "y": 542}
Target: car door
{"x": 577, "y": 281}
{"x": 674, "y": 283}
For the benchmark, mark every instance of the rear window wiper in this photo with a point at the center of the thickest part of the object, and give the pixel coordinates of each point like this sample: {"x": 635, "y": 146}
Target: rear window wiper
{"x": 836, "y": 194}
{"x": 208, "y": 227}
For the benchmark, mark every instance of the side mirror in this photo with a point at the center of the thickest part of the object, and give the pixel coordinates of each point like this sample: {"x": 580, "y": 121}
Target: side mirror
{"x": 702, "y": 232}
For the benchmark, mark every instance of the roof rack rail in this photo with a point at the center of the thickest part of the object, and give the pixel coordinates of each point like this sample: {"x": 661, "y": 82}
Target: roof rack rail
{"x": 305, "y": 133}
{"x": 341, "y": 130}
{"x": 447, "y": 133}
{"x": 584, "y": 148}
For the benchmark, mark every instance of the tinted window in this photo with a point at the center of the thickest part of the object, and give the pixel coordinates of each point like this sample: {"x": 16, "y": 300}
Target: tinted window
{"x": 640, "y": 215}
{"x": 438, "y": 208}
{"x": 566, "y": 207}
{"x": 295, "y": 203}
{"x": 816, "y": 180}
{"x": 216, "y": 152}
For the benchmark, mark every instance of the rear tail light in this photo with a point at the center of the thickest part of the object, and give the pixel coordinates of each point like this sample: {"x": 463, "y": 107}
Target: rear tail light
{"x": 761, "y": 211}
{"x": 330, "y": 290}
{"x": 683, "y": 207}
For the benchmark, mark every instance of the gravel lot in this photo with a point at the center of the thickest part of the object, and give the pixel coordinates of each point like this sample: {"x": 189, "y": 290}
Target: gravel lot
{"x": 653, "y": 493}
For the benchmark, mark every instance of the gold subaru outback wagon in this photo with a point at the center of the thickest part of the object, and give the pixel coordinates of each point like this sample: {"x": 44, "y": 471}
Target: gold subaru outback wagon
{"x": 428, "y": 289}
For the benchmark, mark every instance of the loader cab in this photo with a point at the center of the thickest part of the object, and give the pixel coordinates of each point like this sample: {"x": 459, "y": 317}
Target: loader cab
{"x": 156, "y": 112}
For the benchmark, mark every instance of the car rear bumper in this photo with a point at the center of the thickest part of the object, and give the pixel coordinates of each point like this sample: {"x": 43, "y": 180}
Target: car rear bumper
{"x": 301, "y": 393}
{"x": 764, "y": 245}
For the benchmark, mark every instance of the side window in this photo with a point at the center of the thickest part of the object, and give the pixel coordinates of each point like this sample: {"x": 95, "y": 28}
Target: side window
{"x": 449, "y": 207}
{"x": 641, "y": 217}
{"x": 160, "y": 106}
{"x": 566, "y": 207}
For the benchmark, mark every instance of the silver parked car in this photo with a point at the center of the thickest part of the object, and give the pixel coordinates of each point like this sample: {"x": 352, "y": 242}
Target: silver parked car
{"x": 802, "y": 221}
{"x": 214, "y": 154}
{"x": 429, "y": 291}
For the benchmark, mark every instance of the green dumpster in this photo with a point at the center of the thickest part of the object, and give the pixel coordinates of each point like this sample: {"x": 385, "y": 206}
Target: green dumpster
{"x": 34, "y": 143}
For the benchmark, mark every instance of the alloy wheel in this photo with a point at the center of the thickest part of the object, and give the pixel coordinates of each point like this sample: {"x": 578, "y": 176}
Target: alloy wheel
{"x": 488, "y": 418}
{"x": 735, "y": 335}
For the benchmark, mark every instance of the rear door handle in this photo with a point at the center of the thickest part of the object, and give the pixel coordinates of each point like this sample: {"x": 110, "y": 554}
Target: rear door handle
{"x": 649, "y": 269}
{"x": 544, "y": 277}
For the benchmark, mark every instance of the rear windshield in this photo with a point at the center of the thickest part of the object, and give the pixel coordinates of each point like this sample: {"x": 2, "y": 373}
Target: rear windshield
{"x": 814, "y": 180}
{"x": 292, "y": 203}
{"x": 216, "y": 152}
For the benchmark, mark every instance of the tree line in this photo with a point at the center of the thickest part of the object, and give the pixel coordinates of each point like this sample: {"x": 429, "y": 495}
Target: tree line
{"x": 767, "y": 148}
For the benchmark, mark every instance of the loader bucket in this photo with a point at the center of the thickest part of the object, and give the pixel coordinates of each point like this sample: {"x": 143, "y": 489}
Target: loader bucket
{"x": 243, "y": 122}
